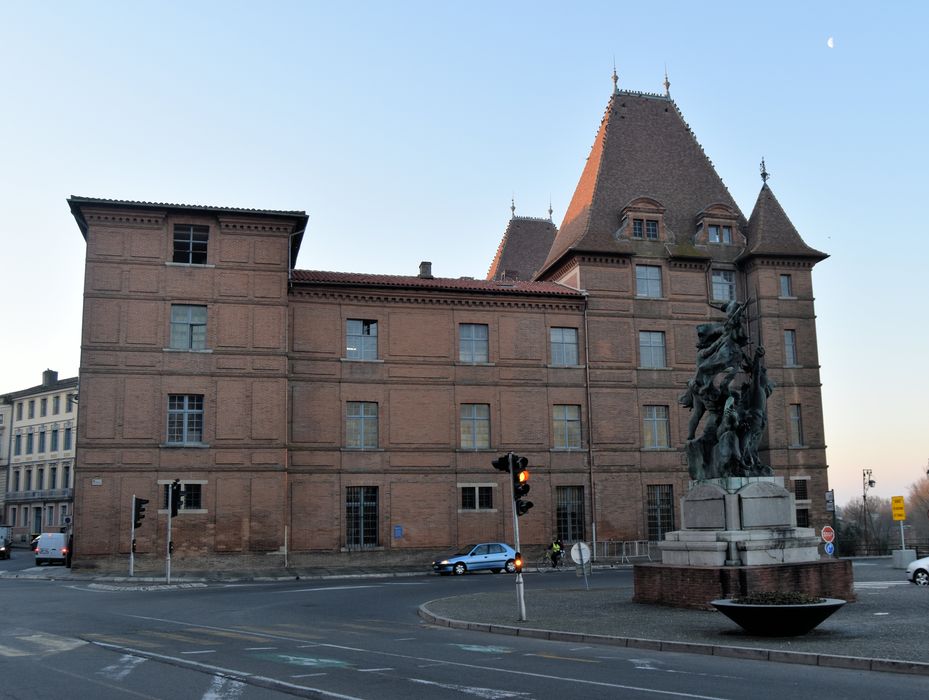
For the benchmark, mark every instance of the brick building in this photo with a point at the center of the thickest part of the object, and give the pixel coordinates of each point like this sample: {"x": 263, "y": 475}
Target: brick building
{"x": 317, "y": 416}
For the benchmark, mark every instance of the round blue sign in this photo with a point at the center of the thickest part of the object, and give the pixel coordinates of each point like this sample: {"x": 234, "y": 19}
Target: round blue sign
{"x": 830, "y": 548}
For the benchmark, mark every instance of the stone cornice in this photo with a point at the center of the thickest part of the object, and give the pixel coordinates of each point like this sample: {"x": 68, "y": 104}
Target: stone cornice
{"x": 382, "y": 297}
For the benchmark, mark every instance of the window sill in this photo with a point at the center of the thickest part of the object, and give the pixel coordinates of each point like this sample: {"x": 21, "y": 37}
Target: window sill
{"x": 205, "y": 351}
{"x": 181, "y": 445}
{"x": 185, "y": 511}
{"x": 793, "y": 366}
{"x": 580, "y": 450}
{"x": 565, "y": 366}
{"x": 477, "y": 510}
{"x": 797, "y": 447}
{"x": 639, "y": 296}
{"x": 788, "y": 298}
{"x": 174, "y": 264}
{"x": 659, "y": 449}
{"x": 359, "y": 359}
{"x": 361, "y": 449}
{"x": 475, "y": 364}
{"x": 660, "y": 369}
{"x": 472, "y": 450}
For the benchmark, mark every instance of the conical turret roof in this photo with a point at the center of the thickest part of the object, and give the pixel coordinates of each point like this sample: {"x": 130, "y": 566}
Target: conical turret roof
{"x": 522, "y": 249}
{"x": 770, "y": 231}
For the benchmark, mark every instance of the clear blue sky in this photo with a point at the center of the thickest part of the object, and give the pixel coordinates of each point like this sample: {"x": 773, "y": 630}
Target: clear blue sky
{"x": 403, "y": 129}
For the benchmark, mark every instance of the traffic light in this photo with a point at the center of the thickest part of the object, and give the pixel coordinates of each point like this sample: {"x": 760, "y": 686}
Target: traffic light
{"x": 502, "y": 463}
{"x": 175, "y": 496}
{"x": 521, "y": 485}
{"x": 518, "y": 561}
{"x": 138, "y": 510}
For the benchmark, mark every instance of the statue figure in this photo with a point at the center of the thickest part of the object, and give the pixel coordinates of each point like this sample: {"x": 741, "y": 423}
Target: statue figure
{"x": 735, "y": 417}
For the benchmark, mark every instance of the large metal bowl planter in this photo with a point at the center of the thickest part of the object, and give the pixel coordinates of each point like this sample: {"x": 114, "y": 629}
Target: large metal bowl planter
{"x": 778, "y": 620}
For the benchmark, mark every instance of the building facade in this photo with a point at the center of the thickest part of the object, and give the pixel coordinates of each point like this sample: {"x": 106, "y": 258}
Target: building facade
{"x": 41, "y": 442}
{"x": 314, "y": 416}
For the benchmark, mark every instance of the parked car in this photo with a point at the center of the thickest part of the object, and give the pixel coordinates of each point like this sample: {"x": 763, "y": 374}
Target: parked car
{"x": 918, "y": 572}
{"x": 51, "y": 547}
{"x": 493, "y": 556}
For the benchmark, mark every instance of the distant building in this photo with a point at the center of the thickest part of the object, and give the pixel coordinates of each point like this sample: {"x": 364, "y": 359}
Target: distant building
{"x": 40, "y": 441}
{"x": 322, "y": 416}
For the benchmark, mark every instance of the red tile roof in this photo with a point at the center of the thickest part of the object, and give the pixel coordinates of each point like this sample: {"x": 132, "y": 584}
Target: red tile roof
{"x": 462, "y": 284}
{"x": 523, "y": 248}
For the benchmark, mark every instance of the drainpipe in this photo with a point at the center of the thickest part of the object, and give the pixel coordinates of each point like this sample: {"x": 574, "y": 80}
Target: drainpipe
{"x": 590, "y": 431}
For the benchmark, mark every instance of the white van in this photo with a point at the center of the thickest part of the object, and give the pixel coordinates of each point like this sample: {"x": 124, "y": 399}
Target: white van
{"x": 51, "y": 547}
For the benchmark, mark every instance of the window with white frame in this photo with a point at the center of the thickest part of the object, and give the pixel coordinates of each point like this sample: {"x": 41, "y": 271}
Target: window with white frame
{"x": 185, "y": 419}
{"x": 566, "y": 422}
{"x": 786, "y": 287}
{"x": 648, "y": 281}
{"x": 360, "y": 339}
{"x": 473, "y": 342}
{"x": 652, "y": 349}
{"x": 361, "y": 425}
{"x": 563, "y": 346}
{"x": 190, "y": 244}
{"x": 188, "y": 327}
{"x": 656, "y": 427}
{"x": 191, "y": 496}
{"x": 645, "y": 229}
{"x": 719, "y": 234}
{"x": 790, "y": 348}
{"x": 477, "y": 497}
{"x": 795, "y": 425}
{"x": 723, "y": 285}
{"x": 475, "y": 426}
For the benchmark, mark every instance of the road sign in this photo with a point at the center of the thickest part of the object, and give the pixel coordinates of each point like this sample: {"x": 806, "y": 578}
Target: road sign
{"x": 828, "y": 534}
{"x": 830, "y": 548}
{"x": 830, "y": 501}
{"x": 897, "y": 508}
{"x": 580, "y": 553}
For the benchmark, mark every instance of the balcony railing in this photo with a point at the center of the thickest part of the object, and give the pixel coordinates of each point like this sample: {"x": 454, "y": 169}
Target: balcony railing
{"x": 41, "y": 495}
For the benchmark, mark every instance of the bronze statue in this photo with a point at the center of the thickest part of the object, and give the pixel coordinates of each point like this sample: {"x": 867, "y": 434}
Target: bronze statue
{"x": 735, "y": 416}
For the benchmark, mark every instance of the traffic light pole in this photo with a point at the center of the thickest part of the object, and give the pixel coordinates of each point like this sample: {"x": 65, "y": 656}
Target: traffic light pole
{"x": 168, "y": 544}
{"x": 132, "y": 538}
{"x": 520, "y": 593}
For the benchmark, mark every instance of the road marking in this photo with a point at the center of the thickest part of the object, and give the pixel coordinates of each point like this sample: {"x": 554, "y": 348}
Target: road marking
{"x": 327, "y": 588}
{"x": 565, "y": 658}
{"x": 223, "y": 688}
{"x": 309, "y": 675}
{"x": 405, "y": 639}
{"x": 879, "y": 584}
{"x": 882, "y": 613}
{"x": 201, "y": 651}
{"x": 372, "y": 670}
{"x": 260, "y": 648}
{"x": 222, "y": 633}
{"x": 122, "y": 668}
{"x": 311, "y": 661}
{"x": 441, "y": 662}
{"x": 486, "y": 693}
{"x": 52, "y": 643}
{"x": 11, "y": 652}
{"x": 483, "y": 649}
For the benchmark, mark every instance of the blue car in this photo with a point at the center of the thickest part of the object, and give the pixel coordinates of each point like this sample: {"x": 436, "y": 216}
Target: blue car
{"x": 490, "y": 556}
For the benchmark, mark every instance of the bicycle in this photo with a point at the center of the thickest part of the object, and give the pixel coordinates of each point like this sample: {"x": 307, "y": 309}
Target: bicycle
{"x": 544, "y": 563}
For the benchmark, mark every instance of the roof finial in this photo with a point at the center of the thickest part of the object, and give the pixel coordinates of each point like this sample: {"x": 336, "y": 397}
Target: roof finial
{"x": 615, "y": 78}
{"x": 513, "y": 207}
{"x": 549, "y": 207}
{"x": 764, "y": 172}
{"x": 667, "y": 83}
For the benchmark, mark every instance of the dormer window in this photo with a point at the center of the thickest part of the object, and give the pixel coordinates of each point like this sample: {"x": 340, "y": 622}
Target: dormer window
{"x": 719, "y": 234}
{"x": 645, "y": 229}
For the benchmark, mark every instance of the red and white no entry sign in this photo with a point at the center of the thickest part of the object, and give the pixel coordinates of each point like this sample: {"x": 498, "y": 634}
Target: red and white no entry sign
{"x": 828, "y": 534}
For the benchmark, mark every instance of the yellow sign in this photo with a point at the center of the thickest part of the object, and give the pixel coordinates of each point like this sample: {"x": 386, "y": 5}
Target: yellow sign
{"x": 896, "y": 505}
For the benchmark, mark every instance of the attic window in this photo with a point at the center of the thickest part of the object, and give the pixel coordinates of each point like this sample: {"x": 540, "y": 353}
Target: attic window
{"x": 645, "y": 229}
{"x": 719, "y": 234}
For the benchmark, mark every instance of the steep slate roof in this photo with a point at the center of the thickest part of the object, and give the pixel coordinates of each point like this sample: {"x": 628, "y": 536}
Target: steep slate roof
{"x": 770, "y": 231}
{"x": 643, "y": 149}
{"x": 464, "y": 284}
{"x": 57, "y": 385}
{"x": 523, "y": 249}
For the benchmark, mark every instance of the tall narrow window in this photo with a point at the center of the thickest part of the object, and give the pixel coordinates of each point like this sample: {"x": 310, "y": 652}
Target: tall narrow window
{"x": 360, "y": 339}
{"x": 29, "y": 442}
{"x": 41, "y": 441}
{"x": 473, "y": 342}
{"x": 43, "y": 407}
{"x": 32, "y": 408}
{"x": 660, "y": 509}
{"x": 723, "y": 285}
{"x": 361, "y": 517}
{"x": 801, "y": 490}
{"x": 656, "y": 430}
{"x": 66, "y": 476}
{"x": 40, "y": 479}
{"x": 67, "y": 445}
{"x": 53, "y": 477}
{"x": 361, "y": 425}
{"x": 790, "y": 348}
{"x": 563, "y": 345}
{"x": 475, "y": 426}
{"x": 69, "y": 403}
{"x": 190, "y": 244}
{"x": 652, "y": 349}
{"x": 19, "y": 411}
{"x": 185, "y": 419}
{"x": 54, "y": 440}
{"x": 18, "y": 445}
{"x": 56, "y": 405}
{"x": 786, "y": 290}
{"x": 648, "y": 281}
{"x": 795, "y": 427}
{"x": 569, "y": 513}
{"x": 16, "y": 480}
{"x": 566, "y": 420}
{"x": 651, "y": 230}
{"x": 188, "y": 327}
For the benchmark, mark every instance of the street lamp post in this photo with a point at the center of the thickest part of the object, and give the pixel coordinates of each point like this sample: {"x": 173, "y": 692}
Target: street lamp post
{"x": 866, "y": 483}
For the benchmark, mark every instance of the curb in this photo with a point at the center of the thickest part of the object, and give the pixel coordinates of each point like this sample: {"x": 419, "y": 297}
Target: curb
{"x": 857, "y": 663}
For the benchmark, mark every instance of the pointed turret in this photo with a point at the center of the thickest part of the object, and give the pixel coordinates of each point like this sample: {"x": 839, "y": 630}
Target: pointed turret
{"x": 523, "y": 248}
{"x": 770, "y": 231}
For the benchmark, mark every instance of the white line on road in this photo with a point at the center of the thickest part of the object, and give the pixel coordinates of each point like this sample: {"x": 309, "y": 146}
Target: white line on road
{"x": 122, "y": 668}
{"x": 326, "y": 588}
{"x": 224, "y": 689}
{"x": 259, "y": 648}
{"x": 372, "y": 670}
{"x": 204, "y": 651}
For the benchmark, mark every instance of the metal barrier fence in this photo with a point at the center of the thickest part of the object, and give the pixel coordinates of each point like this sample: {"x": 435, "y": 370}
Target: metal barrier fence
{"x": 625, "y": 551}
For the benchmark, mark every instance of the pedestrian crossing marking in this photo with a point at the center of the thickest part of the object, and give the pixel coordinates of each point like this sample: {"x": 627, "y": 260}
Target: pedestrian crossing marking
{"x": 123, "y": 641}
{"x": 52, "y": 643}
{"x": 176, "y": 637}
{"x": 229, "y": 635}
{"x": 11, "y": 652}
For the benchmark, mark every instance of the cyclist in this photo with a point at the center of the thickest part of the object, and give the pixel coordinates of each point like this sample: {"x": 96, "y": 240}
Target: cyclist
{"x": 556, "y": 551}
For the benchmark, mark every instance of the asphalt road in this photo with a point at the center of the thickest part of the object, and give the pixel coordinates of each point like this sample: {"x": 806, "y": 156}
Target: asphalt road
{"x": 353, "y": 638}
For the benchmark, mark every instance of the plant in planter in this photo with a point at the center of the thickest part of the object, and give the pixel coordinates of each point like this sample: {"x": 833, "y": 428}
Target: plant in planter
{"x": 777, "y": 614}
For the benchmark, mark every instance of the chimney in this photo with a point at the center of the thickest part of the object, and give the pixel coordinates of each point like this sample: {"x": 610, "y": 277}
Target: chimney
{"x": 425, "y": 270}
{"x": 49, "y": 377}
